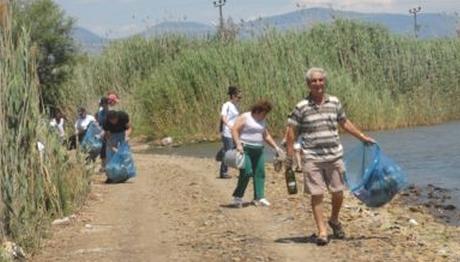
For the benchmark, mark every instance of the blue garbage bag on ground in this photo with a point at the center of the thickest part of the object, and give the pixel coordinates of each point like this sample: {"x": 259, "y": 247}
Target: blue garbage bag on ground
{"x": 121, "y": 166}
{"x": 372, "y": 176}
{"x": 92, "y": 141}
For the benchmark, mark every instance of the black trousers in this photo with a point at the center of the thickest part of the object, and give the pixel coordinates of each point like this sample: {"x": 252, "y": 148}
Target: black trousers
{"x": 72, "y": 141}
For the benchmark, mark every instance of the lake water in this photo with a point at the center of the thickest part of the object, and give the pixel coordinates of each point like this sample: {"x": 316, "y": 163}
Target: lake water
{"x": 428, "y": 155}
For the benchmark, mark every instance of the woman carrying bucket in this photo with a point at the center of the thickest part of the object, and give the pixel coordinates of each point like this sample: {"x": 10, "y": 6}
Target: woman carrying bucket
{"x": 249, "y": 134}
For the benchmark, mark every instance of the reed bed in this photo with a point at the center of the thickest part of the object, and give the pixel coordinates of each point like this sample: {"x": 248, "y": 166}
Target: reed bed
{"x": 175, "y": 86}
{"x": 36, "y": 186}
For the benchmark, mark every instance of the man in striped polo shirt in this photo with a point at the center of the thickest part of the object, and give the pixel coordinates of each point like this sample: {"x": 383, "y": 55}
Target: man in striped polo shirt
{"x": 315, "y": 121}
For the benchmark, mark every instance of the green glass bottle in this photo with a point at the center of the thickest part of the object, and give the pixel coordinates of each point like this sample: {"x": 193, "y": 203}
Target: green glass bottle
{"x": 290, "y": 181}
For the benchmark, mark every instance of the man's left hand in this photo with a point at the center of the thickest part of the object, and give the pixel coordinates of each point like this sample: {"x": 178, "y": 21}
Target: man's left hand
{"x": 367, "y": 139}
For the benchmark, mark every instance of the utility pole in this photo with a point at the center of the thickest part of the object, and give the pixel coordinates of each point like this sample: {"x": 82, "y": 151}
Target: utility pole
{"x": 414, "y": 12}
{"x": 220, "y": 4}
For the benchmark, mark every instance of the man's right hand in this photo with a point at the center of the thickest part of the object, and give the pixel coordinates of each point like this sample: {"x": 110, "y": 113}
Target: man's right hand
{"x": 288, "y": 162}
{"x": 290, "y": 135}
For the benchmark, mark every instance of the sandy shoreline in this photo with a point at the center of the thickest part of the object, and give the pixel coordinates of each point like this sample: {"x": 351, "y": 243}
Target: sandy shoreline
{"x": 176, "y": 210}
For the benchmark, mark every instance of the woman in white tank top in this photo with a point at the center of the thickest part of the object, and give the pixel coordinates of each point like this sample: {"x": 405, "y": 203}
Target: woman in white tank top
{"x": 249, "y": 134}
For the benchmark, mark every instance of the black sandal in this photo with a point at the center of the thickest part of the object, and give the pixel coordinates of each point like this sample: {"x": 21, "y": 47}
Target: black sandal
{"x": 322, "y": 240}
{"x": 337, "y": 230}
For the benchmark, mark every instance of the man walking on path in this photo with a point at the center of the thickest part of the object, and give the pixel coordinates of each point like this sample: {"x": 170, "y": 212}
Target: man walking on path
{"x": 315, "y": 120}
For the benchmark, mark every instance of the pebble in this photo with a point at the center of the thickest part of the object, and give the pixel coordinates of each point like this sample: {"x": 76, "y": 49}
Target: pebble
{"x": 442, "y": 252}
{"x": 236, "y": 249}
{"x": 416, "y": 209}
{"x": 449, "y": 207}
{"x": 413, "y": 222}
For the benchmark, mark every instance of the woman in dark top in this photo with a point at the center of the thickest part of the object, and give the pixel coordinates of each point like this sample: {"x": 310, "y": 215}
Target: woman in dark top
{"x": 117, "y": 129}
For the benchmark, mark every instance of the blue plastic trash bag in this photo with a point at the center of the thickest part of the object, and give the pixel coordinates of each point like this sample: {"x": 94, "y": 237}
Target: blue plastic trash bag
{"x": 92, "y": 141}
{"x": 371, "y": 176}
{"x": 121, "y": 165}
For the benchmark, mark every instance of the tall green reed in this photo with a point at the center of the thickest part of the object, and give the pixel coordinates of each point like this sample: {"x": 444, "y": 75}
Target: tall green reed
{"x": 35, "y": 186}
{"x": 175, "y": 86}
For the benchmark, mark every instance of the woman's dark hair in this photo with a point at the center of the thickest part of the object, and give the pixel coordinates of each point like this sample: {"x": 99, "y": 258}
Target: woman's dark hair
{"x": 262, "y": 105}
{"x": 112, "y": 114}
{"x": 58, "y": 114}
{"x": 233, "y": 90}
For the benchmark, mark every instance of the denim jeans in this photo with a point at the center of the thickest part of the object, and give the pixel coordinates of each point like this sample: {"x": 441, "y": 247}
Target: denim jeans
{"x": 227, "y": 145}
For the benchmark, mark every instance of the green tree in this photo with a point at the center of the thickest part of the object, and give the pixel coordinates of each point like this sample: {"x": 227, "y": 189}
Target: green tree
{"x": 50, "y": 31}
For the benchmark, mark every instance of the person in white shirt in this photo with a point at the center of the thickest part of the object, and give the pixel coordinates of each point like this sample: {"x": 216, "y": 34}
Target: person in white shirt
{"x": 81, "y": 125}
{"x": 83, "y": 121}
{"x": 57, "y": 122}
{"x": 228, "y": 115}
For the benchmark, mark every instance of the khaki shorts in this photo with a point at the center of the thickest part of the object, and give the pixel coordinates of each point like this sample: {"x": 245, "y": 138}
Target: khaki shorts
{"x": 320, "y": 176}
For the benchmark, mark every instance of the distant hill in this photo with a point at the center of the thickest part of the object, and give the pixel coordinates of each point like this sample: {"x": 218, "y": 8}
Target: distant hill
{"x": 88, "y": 41}
{"x": 191, "y": 29}
{"x": 431, "y": 25}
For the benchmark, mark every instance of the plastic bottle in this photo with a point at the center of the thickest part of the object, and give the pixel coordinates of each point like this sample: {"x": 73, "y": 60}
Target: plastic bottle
{"x": 290, "y": 181}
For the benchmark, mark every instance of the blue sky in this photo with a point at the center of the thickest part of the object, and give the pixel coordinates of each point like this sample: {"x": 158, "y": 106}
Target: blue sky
{"x": 119, "y": 18}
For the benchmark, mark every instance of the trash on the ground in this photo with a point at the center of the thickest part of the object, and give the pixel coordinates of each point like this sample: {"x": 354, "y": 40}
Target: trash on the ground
{"x": 13, "y": 250}
{"x": 61, "y": 221}
{"x": 166, "y": 141}
{"x": 413, "y": 222}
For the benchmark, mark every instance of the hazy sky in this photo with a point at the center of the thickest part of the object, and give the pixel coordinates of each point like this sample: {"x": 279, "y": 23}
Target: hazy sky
{"x": 117, "y": 18}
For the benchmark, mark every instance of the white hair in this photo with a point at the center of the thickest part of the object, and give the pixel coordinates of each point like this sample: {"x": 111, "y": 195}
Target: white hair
{"x": 313, "y": 70}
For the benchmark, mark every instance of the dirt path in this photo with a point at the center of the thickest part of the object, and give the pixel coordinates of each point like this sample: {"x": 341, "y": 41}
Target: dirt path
{"x": 175, "y": 210}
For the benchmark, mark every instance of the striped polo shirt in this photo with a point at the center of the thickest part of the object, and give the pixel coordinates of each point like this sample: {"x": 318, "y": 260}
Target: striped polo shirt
{"x": 317, "y": 128}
